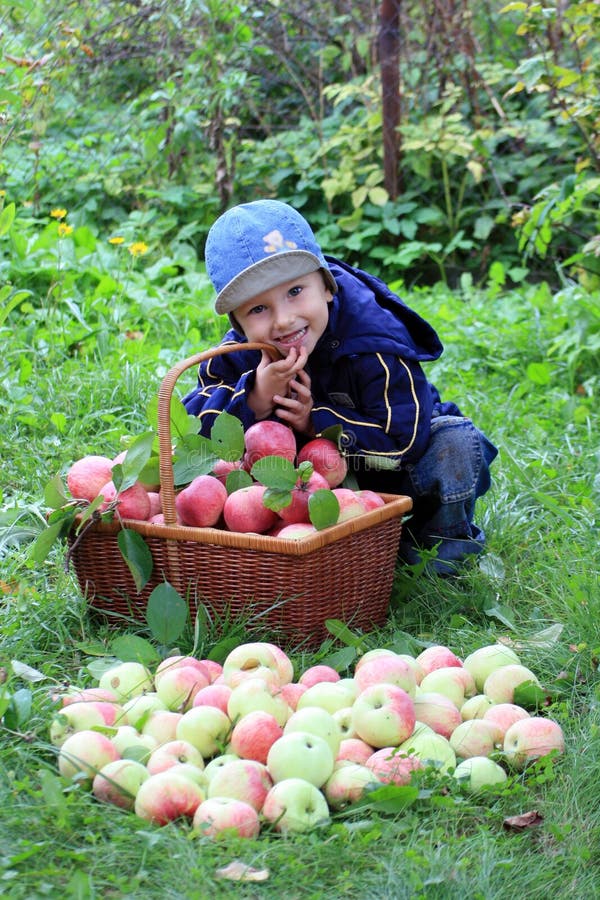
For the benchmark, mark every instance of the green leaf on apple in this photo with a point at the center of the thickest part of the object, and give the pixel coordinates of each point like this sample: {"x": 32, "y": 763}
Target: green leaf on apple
{"x": 227, "y": 437}
{"x": 150, "y": 471}
{"x": 137, "y": 555}
{"x": 276, "y": 499}
{"x": 236, "y": 479}
{"x": 166, "y": 613}
{"x": 275, "y": 472}
{"x": 54, "y": 493}
{"x": 136, "y": 457}
{"x": 133, "y": 648}
{"x": 333, "y": 433}
{"x": 529, "y": 695}
{"x": 323, "y": 508}
{"x": 193, "y": 456}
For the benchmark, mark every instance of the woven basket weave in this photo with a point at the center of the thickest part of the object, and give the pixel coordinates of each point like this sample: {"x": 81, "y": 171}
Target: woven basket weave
{"x": 342, "y": 572}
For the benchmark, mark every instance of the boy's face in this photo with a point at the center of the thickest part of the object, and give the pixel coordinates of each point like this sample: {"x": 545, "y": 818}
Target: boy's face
{"x": 293, "y": 314}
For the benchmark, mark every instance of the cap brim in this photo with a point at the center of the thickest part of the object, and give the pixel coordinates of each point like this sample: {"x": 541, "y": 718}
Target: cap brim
{"x": 267, "y": 274}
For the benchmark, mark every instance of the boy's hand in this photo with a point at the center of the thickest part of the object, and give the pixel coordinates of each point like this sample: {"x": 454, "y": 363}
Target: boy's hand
{"x": 273, "y": 378}
{"x": 296, "y": 408}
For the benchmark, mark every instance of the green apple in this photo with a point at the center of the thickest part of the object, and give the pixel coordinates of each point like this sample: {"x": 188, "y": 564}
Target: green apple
{"x": 383, "y": 715}
{"x": 476, "y": 707}
{"x": 348, "y": 784}
{"x": 485, "y": 660}
{"x": 127, "y": 679}
{"x": 206, "y": 727}
{"x": 475, "y": 737}
{"x": 118, "y": 782}
{"x": 300, "y": 754}
{"x": 252, "y": 694}
{"x": 84, "y": 753}
{"x": 316, "y": 720}
{"x": 295, "y": 805}
{"x": 242, "y": 779}
{"x": 138, "y": 708}
{"x": 329, "y": 695}
{"x": 133, "y": 745}
{"x": 500, "y": 685}
{"x": 73, "y": 718}
{"x": 431, "y": 748}
{"x": 478, "y": 773}
{"x": 531, "y": 738}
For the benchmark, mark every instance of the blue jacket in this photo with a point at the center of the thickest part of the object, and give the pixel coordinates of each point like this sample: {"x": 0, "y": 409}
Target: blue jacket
{"x": 365, "y": 373}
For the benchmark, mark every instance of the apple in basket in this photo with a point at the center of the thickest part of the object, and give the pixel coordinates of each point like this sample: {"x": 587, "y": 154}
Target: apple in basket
{"x": 326, "y": 460}
{"x": 86, "y": 476}
{"x": 245, "y": 511}
{"x": 201, "y": 502}
{"x": 268, "y": 438}
{"x": 297, "y": 510}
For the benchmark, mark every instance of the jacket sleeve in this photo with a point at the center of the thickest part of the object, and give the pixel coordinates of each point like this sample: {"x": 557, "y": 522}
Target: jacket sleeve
{"x": 224, "y": 383}
{"x": 391, "y": 413}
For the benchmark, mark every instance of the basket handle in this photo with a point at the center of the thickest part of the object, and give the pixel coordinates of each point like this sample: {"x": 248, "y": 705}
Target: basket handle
{"x": 167, "y": 485}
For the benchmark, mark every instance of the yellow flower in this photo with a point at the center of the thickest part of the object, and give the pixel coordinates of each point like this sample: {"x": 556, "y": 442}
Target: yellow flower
{"x": 58, "y": 213}
{"x": 117, "y": 239}
{"x": 64, "y": 229}
{"x": 138, "y": 248}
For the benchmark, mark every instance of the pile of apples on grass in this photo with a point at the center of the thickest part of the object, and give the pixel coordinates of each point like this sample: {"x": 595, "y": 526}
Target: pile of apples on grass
{"x": 242, "y": 746}
{"x": 205, "y": 502}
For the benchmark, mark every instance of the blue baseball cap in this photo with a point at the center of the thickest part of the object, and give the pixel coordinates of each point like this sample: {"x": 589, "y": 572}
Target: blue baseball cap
{"x": 255, "y": 246}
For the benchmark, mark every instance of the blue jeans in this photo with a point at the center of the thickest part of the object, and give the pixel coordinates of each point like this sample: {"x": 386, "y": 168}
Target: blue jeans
{"x": 444, "y": 485}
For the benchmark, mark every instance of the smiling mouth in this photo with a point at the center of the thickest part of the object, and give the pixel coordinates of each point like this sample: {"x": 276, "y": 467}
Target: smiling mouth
{"x": 292, "y": 338}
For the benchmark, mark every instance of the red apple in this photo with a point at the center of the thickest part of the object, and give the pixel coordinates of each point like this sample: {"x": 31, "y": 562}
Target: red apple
{"x": 436, "y": 657}
{"x": 370, "y": 500}
{"x": 297, "y": 510}
{"x": 318, "y": 673}
{"x": 217, "y": 816}
{"x": 242, "y": 779}
{"x": 350, "y": 504}
{"x": 254, "y": 734}
{"x": 213, "y": 695}
{"x": 167, "y": 796}
{"x": 383, "y": 714}
{"x": 201, "y": 502}
{"x": 268, "y": 438}
{"x": 326, "y": 460}
{"x": 118, "y": 782}
{"x": 223, "y": 467}
{"x": 393, "y": 767}
{"x": 245, "y": 511}
{"x": 88, "y": 475}
{"x": 354, "y": 750}
{"x": 132, "y": 503}
{"x": 296, "y": 531}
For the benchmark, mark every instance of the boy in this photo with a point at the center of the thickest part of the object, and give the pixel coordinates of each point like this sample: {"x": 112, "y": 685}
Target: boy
{"x": 351, "y": 356}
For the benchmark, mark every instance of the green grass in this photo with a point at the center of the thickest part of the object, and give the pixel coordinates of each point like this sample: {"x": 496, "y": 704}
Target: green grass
{"x": 78, "y": 372}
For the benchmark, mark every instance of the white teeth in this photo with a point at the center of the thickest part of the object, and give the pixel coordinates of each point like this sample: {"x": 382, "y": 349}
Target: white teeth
{"x": 290, "y": 338}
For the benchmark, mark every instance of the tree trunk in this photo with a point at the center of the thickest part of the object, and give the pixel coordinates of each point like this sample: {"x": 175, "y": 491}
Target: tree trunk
{"x": 389, "y": 62}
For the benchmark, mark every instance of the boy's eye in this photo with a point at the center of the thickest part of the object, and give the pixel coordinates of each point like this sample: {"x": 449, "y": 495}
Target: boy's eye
{"x": 256, "y": 309}
{"x": 295, "y": 290}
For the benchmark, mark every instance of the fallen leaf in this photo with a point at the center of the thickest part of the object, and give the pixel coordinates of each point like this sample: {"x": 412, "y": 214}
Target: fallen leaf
{"x": 525, "y": 820}
{"x": 239, "y": 871}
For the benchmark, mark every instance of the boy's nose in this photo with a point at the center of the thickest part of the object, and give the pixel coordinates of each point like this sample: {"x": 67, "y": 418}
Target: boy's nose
{"x": 284, "y": 319}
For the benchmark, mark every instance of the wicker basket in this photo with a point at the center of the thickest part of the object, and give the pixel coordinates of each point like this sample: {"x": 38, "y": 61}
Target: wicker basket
{"x": 291, "y": 587}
